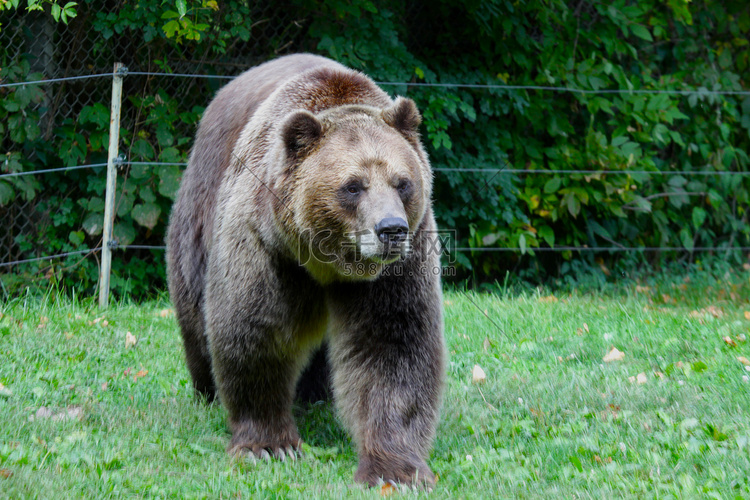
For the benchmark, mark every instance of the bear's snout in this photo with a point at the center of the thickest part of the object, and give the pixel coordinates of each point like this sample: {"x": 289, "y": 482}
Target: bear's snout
{"x": 392, "y": 230}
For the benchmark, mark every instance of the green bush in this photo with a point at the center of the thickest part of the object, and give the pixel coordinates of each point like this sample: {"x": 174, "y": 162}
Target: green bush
{"x": 640, "y": 144}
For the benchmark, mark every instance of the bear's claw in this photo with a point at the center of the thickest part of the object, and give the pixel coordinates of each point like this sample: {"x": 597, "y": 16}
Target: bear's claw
{"x": 253, "y": 452}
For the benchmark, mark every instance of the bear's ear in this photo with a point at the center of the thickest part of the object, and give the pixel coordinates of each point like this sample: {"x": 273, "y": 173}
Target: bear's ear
{"x": 403, "y": 116}
{"x": 300, "y": 132}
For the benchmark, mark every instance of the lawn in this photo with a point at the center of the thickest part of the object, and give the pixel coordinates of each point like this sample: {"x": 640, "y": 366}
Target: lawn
{"x": 87, "y": 413}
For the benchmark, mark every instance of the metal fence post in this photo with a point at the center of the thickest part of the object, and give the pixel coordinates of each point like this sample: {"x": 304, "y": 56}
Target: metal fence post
{"x": 109, "y": 201}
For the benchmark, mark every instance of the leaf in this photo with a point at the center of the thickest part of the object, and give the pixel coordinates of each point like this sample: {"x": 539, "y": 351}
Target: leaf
{"x": 169, "y": 181}
{"x": 164, "y": 137}
{"x": 743, "y": 360}
{"x": 165, "y": 313}
{"x": 146, "y": 214}
{"x": 729, "y": 341}
{"x": 477, "y": 375}
{"x": 576, "y": 462}
{"x": 6, "y": 193}
{"x": 124, "y": 232}
{"x": 93, "y": 224}
{"x": 641, "y": 32}
{"x": 546, "y": 233}
{"x": 614, "y": 355}
{"x": 640, "y": 379}
{"x": 181, "y": 7}
{"x": 699, "y": 366}
{"x": 76, "y": 237}
{"x": 55, "y": 11}
{"x": 686, "y": 238}
{"x": 143, "y": 149}
{"x": 5, "y": 392}
{"x": 552, "y": 185}
{"x": 699, "y": 216}
{"x": 387, "y": 489}
{"x": 130, "y": 340}
{"x": 572, "y": 203}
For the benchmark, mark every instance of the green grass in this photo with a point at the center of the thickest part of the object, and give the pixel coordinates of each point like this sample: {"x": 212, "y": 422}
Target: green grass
{"x": 552, "y": 419}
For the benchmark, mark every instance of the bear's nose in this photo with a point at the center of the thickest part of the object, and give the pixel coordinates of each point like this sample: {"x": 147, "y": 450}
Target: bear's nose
{"x": 392, "y": 229}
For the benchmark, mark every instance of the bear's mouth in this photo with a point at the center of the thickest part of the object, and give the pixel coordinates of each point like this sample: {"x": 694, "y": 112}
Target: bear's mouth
{"x": 370, "y": 247}
{"x": 393, "y": 252}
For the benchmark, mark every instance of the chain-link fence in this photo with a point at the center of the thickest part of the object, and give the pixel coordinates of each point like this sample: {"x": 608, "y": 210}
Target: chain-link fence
{"x": 40, "y": 48}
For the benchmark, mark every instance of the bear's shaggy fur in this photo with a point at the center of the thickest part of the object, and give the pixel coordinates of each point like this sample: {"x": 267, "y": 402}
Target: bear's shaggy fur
{"x": 304, "y": 215}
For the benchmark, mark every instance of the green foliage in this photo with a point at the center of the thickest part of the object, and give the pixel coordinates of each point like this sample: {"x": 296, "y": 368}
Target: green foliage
{"x": 60, "y": 12}
{"x": 636, "y": 144}
{"x": 589, "y": 46}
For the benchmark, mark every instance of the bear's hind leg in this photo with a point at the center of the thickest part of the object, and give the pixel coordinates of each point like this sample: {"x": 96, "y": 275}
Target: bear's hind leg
{"x": 199, "y": 363}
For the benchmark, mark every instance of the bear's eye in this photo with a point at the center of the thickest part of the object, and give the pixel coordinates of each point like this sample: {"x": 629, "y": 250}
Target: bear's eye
{"x": 354, "y": 188}
{"x": 403, "y": 186}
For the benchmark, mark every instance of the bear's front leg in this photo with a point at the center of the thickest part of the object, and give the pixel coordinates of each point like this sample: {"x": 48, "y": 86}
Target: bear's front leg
{"x": 388, "y": 357}
{"x": 258, "y": 398}
{"x": 256, "y": 385}
{"x": 255, "y": 357}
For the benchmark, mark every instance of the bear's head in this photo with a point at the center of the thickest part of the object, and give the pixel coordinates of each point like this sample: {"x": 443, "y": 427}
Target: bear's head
{"x": 356, "y": 184}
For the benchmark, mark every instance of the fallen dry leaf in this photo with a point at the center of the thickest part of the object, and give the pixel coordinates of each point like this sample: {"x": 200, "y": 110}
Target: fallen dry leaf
{"x": 130, "y": 340}
{"x": 714, "y": 311}
{"x": 477, "y": 375}
{"x": 705, "y": 312}
{"x": 487, "y": 344}
{"x": 642, "y": 289}
{"x": 387, "y": 489}
{"x": 5, "y": 473}
{"x": 747, "y": 315}
{"x": 640, "y": 379}
{"x": 743, "y": 360}
{"x": 5, "y": 392}
{"x": 69, "y": 413}
{"x": 548, "y": 298}
{"x": 164, "y": 313}
{"x": 729, "y": 341}
{"x": 614, "y": 355}
{"x": 586, "y": 327}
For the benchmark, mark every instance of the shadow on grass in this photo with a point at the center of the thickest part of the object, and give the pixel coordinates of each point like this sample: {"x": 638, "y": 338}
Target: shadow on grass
{"x": 318, "y": 425}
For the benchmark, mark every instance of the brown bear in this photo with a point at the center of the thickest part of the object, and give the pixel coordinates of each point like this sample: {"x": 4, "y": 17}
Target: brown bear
{"x": 305, "y": 216}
